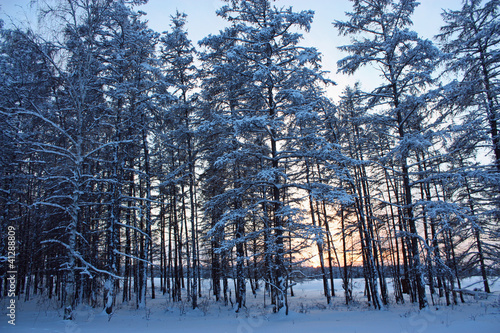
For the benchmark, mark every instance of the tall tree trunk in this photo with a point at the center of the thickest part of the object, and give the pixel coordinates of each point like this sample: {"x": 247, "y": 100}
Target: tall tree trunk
{"x": 319, "y": 238}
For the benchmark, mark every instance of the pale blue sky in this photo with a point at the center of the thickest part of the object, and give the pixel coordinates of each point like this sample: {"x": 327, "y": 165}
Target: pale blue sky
{"x": 202, "y": 21}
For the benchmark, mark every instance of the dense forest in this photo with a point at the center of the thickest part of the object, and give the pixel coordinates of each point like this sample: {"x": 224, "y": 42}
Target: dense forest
{"x": 135, "y": 163}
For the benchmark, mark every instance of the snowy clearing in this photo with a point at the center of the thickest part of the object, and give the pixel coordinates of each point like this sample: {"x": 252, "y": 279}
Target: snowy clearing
{"x": 308, "y": 313}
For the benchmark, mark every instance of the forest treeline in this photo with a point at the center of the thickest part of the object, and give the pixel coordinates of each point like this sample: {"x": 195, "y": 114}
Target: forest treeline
{"x": 128, "y": 155}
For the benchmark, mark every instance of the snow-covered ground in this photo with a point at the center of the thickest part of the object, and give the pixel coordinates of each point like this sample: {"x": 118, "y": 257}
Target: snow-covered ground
{"x": 309, "y": 313}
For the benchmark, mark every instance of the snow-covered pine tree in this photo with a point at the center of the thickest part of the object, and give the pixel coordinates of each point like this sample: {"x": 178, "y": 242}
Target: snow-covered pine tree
{"x": 27, "y": 80}
{"x": 64, "y": 148}
{"x": 76, "y": 137}
{"x": 128, "y": 70}
{"x": 177, "y": 64}
{"x": 224, "y": 82}
{"x": 406, "y": 62}
{"x": 472, "y": 36}
{"x": 356, "y": 134}
{"x": 263, "y": 102}
{"x": 471, "y": 39}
